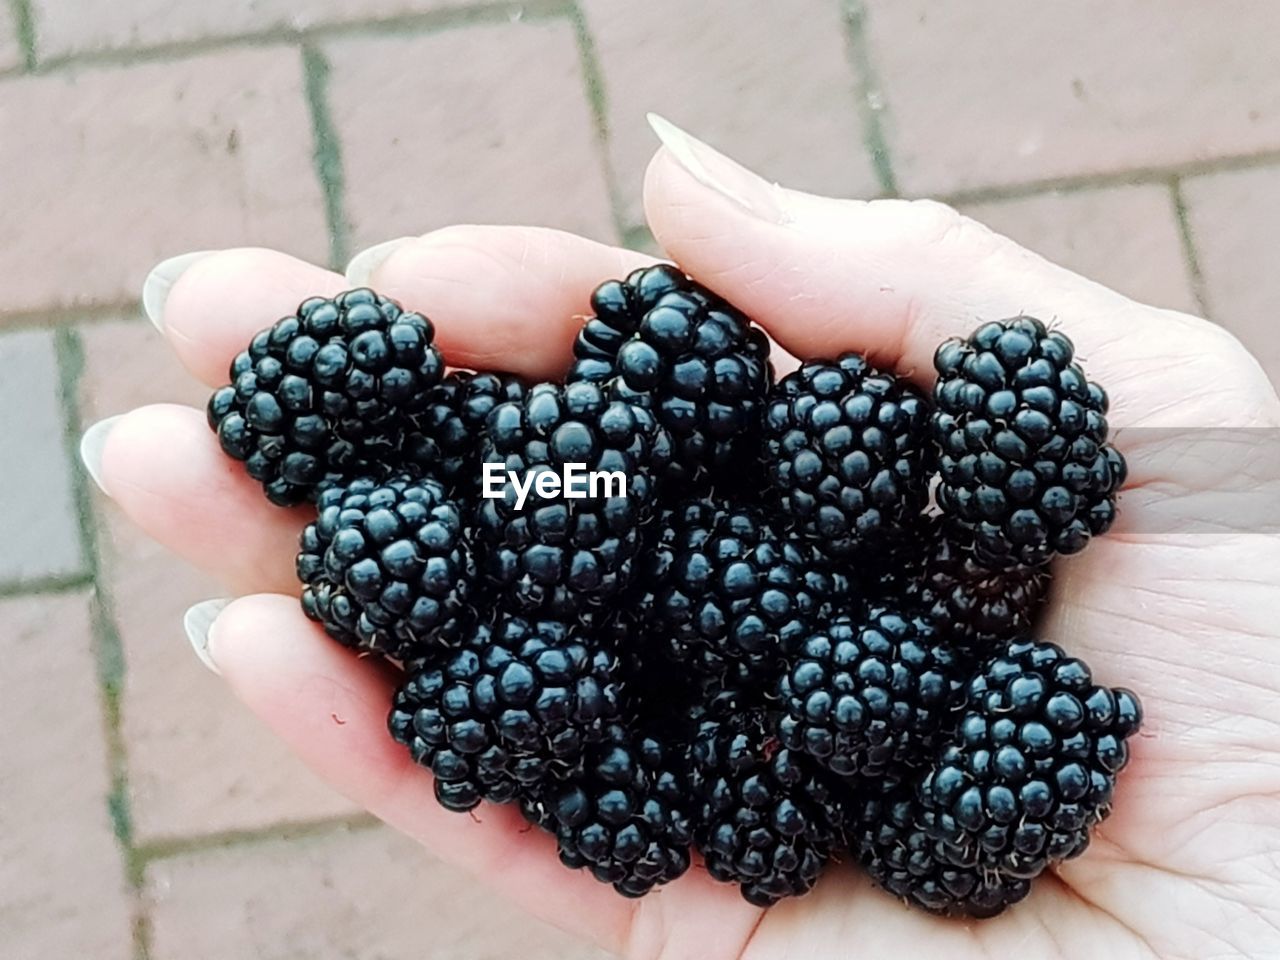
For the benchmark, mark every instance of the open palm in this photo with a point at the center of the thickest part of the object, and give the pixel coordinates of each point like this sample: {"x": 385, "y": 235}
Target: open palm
{"x": 1179, "y": 602}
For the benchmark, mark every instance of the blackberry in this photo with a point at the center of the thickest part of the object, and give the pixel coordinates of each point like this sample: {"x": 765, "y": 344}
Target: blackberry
{"x": 844, "y": 453}
{"x": 323, "y": 396}
{"x": 626, "y": 818}
{"x": 868, "y": 696}
{"x": 1032, "y": 764}
{"x": 767, "y": 820}
{"x": 513, "y": 708}
{"x": 729, "y": 597}
{"x": 445, "y": 436}
{"x": 386, "y": 567}
{"x": 976, "y": 607}
{"x": 886, "y": 837}
{"x": 1021, "y": 438}
{"x": 563, "y": 557}
{"x": 659, "y": 338}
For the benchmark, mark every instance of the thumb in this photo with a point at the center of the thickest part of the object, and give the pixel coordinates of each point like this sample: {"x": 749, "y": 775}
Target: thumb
{"x": 894, "y": 278}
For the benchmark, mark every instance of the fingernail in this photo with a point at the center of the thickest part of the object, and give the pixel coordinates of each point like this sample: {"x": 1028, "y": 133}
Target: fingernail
{"x": 360, "y": 269}
{"x": 155, "y": 289}
{"x": 198, "y": 622}
{"x": 714, "y": 170}
{"x": 92, "y": 443}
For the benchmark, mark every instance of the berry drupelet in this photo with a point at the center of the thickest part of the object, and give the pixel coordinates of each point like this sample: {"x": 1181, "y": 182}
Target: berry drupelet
{"x": 386, "y": 567}
{"x": 728, "y": 596}
{"x": 766, "y": 819}
{"x": 445, "y": 435}
{"x": 562, "y": 557}
{"x": 1021, "y": 441}
{"x": 1031, "y": 763}
{"x": 867, "y": 696}
{"x": 844, "y": 452}
{"x": 626, "y": 818}
{"x": 660, "y": 339}
{"x": 324, "y": 395}
{"x": 514, "y": 707}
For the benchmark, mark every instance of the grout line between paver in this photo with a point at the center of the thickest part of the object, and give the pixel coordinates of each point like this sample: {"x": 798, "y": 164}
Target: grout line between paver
{"x": 1199, "y": 289}
{"x": 42, "y": 586}
{"x": 108, "y": 651}
{"x": 327, "y": 154}
{"x": 24, "y": 26}
{"x": 871, "y": 103}
{"x": 151, "y": 851}
{"x": 597, "y": 99}
{"x": 425, "y": 22}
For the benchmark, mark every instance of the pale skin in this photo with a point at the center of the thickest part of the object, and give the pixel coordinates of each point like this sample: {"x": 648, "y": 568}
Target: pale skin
{"x": 1189, "y": 863}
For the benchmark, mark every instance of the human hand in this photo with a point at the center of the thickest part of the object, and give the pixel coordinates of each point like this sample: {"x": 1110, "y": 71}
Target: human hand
{"x": 1188, "y": 864}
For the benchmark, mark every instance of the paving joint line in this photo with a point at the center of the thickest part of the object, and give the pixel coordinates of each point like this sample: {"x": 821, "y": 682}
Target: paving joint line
{"x": 872, "y": 107}
{"x": 167, "y": 848}
{"x": 327, "y": 154}
{"x": 1199, "y": 288}
{"x": 46, "y": 586}
{"x": 422, "y": 23}
{"x": 24, "y": 26}
{"x": 107, "y": 647}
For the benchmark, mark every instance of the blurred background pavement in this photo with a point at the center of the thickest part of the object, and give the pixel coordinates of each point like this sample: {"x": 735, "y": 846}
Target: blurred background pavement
{"x": 143, "y": 814}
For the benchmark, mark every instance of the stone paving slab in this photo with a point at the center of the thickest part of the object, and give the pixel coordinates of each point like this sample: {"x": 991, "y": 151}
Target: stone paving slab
{"x": 39, "y": 530}
{"x": 774, "y": 89}
{"x": 150, "y": 160}
{"x": 486, "y": 126}
{"x": 10, "y": 51}
{"x": 1125, "y": 237}
{"x": 64, "y": 28}
{"x": 1235, "y": 220}
{"x": 62, "y": 886}
{"x": 199, "y": 763}
{"x": 994, "y": 93}
{"x": 368, "y": 893}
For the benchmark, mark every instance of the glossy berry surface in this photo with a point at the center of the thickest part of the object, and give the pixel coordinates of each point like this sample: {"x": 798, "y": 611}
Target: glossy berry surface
{"x": 844, "y": 451}
{"x": 386, "y": 567}
{"x": 660, "y": 339}
{"x": 559, "y": 556}
{"x": 1030, "y": 765}
{"x": 1021, "y": 443}
{"x": 514, "y": 707}
{"x": 324, "y": 396}
{"x": 867, "y": 696}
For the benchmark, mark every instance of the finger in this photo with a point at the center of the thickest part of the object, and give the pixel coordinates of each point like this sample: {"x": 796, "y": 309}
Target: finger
{"x": 163, "y": 466}
{"x": 502, "y": 298}
{"x": 894, "y": 278}
{"x": 330, "y": 707}
{"x": 221, "y": 300}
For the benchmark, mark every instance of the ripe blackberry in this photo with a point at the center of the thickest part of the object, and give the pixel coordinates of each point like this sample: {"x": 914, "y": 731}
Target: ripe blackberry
{"x": 885, "y": 835}
{"x": 1021, "y": 437}
{"x": 729, "y": 597}
{"x": 867, "y": 696}
{"x": 386, "y": 567}
{"x": 767, "y": 820}
{"x": 446, "y": 435}
{"x": 626, "y": 817}
{"x": 844, "y": 452}
{"x": 324, "y": 395}
{"x": 515, "y": 706}
{"x": 659, "y": 338}
{"x": 1033, "y": 763}
{"x": 976, "y": 607}
{"x": 557, "y": 556}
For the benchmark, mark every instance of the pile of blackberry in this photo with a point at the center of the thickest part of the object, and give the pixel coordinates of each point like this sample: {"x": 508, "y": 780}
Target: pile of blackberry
{"x": 780, "y": 624}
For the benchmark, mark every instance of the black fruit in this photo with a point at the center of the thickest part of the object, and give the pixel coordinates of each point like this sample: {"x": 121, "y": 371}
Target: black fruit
{"x": 386, "y": 567}
{"x": 563, "y": 557}
{"x": 659, "y": 338}
{"x": 514, "y": 707}
{"x": 325, "y": 395}
{"x": 868, "y": 696}
{"x": 1021, "y": 438}
{"x": 844, "y": 452}
{"x": 1031, "y": 764}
